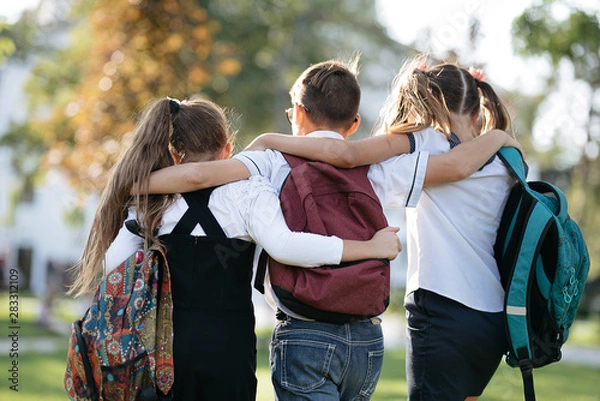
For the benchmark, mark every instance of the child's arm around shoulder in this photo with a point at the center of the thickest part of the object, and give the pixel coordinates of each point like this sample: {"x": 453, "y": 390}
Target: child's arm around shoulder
{"x": 261, "y": 210}
{"x": 383, "y": 245}
{"x": 339, "y": 153}
{"x": 468, "y": 157}
{"x": 192, "y": 176}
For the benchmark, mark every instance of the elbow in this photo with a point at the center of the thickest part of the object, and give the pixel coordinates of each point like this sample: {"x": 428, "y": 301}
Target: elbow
{"x": 279, "y": 256}
{"x": 460, "y": 172}
{"x": 347, "y": 160}
{"x": 195, "y": 178}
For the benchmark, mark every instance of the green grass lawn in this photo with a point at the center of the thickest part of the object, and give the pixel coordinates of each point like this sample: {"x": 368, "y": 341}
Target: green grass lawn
{"x": 41, "y": 374}
{"x": 41, "y": 379}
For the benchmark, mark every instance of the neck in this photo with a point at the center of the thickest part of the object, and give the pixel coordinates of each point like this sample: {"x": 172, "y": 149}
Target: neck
{"x": 462, "y": 127}
{"x": 198, "y": 157}
{"x": 309, "y": 128}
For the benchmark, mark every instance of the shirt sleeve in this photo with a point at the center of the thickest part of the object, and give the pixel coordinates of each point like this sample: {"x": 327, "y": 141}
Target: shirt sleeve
{"x": 258, "y": 162}
{"x": 123, "y": 246}
{"x": 399, "y": 180}
{"x": 266, "y": 225}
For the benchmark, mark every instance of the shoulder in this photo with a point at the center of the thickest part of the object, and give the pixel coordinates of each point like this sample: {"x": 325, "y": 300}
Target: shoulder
{"x": 430, "y": 139}
{"x": 495, "y": 167}
{"x": 245, "y": 190}
{"x": 259, "y": 156}
{"x": 244, "y": 197}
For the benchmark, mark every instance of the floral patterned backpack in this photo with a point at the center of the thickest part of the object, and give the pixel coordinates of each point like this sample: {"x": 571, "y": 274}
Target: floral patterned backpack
{"x": 122, "y": 348}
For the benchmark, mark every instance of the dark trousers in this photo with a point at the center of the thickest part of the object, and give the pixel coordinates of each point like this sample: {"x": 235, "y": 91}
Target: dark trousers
{"x": 452, "y": 351}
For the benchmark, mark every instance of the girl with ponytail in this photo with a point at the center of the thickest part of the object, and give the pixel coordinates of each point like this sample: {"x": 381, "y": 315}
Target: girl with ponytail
{"x": 209, "y": 238}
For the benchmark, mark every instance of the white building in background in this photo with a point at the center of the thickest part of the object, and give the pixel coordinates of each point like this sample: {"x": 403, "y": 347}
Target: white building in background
{"x": 34, "y": 235}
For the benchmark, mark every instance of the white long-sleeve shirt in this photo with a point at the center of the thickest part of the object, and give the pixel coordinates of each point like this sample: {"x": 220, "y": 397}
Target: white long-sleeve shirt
{"x": 247, "y": 210}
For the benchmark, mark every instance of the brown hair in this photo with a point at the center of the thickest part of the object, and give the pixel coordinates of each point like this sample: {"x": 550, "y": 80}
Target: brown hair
{"x": 329, "y": 91}
{"x": 191, "y": 129}
{"x": 423, "y": 97}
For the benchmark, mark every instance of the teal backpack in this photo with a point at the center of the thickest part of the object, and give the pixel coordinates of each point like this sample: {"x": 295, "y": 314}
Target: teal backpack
{"x": 544, "y": 263}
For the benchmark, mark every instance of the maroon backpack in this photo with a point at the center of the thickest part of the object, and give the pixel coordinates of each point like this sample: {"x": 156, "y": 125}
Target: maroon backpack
{"x": 319, "y": 198}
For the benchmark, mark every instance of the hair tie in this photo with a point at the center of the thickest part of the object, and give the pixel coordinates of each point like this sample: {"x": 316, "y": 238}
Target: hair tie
{"x": 477, "y": 74}
{"x": 173, "y": 105}
{"x": 422, "y": 68}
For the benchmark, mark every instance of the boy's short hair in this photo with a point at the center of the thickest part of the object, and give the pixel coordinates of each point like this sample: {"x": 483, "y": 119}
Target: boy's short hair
{"x": 329, "y": 91}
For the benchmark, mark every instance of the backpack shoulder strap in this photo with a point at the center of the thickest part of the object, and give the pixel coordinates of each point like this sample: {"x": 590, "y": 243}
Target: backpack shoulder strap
{"x": 134, "y": 228}
{"x": 261, "y": 272}
{"x": 294, "y": 161}
{"x": 514, "y": 162}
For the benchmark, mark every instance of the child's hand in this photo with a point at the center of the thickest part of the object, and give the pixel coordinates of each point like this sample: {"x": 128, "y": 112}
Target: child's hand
{"x": 264, "y": 141}
{"x": 385, "y": 244}
{"x": 512, "y": 142}
{"x": 509, "y": 141}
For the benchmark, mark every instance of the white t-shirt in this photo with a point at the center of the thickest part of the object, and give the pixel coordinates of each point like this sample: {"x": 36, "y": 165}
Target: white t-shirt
{"x": 247, "y": 210}
{"x": 451, "y": 233}
{"x": 451, "y": 228}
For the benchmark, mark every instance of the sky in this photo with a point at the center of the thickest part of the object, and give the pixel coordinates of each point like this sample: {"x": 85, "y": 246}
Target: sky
{"x": 10, "y": 10}
{"x": 448, "y": 22}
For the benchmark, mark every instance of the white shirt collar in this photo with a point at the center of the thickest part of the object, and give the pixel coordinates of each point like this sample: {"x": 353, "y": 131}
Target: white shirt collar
{"x": 326, "y": 134}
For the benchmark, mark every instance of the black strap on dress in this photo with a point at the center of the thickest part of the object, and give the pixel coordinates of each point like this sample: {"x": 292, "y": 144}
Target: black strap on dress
{"x": 198, "y": 213}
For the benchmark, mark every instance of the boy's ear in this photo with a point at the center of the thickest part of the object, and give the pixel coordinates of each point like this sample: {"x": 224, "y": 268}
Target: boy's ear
{"x": 300, "y": 115}
{"x": 354, "y": 126}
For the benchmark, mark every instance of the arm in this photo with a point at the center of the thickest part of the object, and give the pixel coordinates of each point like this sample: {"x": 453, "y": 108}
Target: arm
{"x": 344, "y": 154}
{"x": 467, "y": 158}
{"x": 123, "y": 246}
{"x": 188, "y": 177}
{"x": 384, "y": 245}
{"x": 266, "y": 225}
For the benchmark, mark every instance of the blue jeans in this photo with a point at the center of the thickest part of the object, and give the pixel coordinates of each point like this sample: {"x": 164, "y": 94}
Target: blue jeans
{"x": 324, "y": 361}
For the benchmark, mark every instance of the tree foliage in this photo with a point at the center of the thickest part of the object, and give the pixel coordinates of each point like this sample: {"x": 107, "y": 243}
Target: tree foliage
{"x": 121, "y": 54}
{"x": 7, "y": 45}
{"x": 275, "y": 40}
{"x": 573, "y": 39}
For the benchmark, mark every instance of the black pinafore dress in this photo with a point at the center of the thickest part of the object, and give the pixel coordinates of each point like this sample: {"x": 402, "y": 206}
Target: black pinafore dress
{"x": 213, "y": 316}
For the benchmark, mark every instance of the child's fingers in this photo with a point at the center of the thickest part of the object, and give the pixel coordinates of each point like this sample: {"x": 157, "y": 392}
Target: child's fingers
{"x": 390, "y": 229}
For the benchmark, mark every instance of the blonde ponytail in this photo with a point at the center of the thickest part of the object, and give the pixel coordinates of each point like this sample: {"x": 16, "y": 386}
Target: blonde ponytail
{"x": 423, "y": 97}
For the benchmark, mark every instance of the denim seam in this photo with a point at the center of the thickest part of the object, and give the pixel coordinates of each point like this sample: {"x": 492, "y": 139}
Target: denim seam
{"x": 369, "y": 383}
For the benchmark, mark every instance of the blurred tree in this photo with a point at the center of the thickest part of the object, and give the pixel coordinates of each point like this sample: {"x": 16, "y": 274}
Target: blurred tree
{"x": 563, "y": 33}
{"x": 7, "y": 45}
{"x": 275, "y": 40}
{"x": 121, "y": 54}
{"x": 22, "y": 39}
